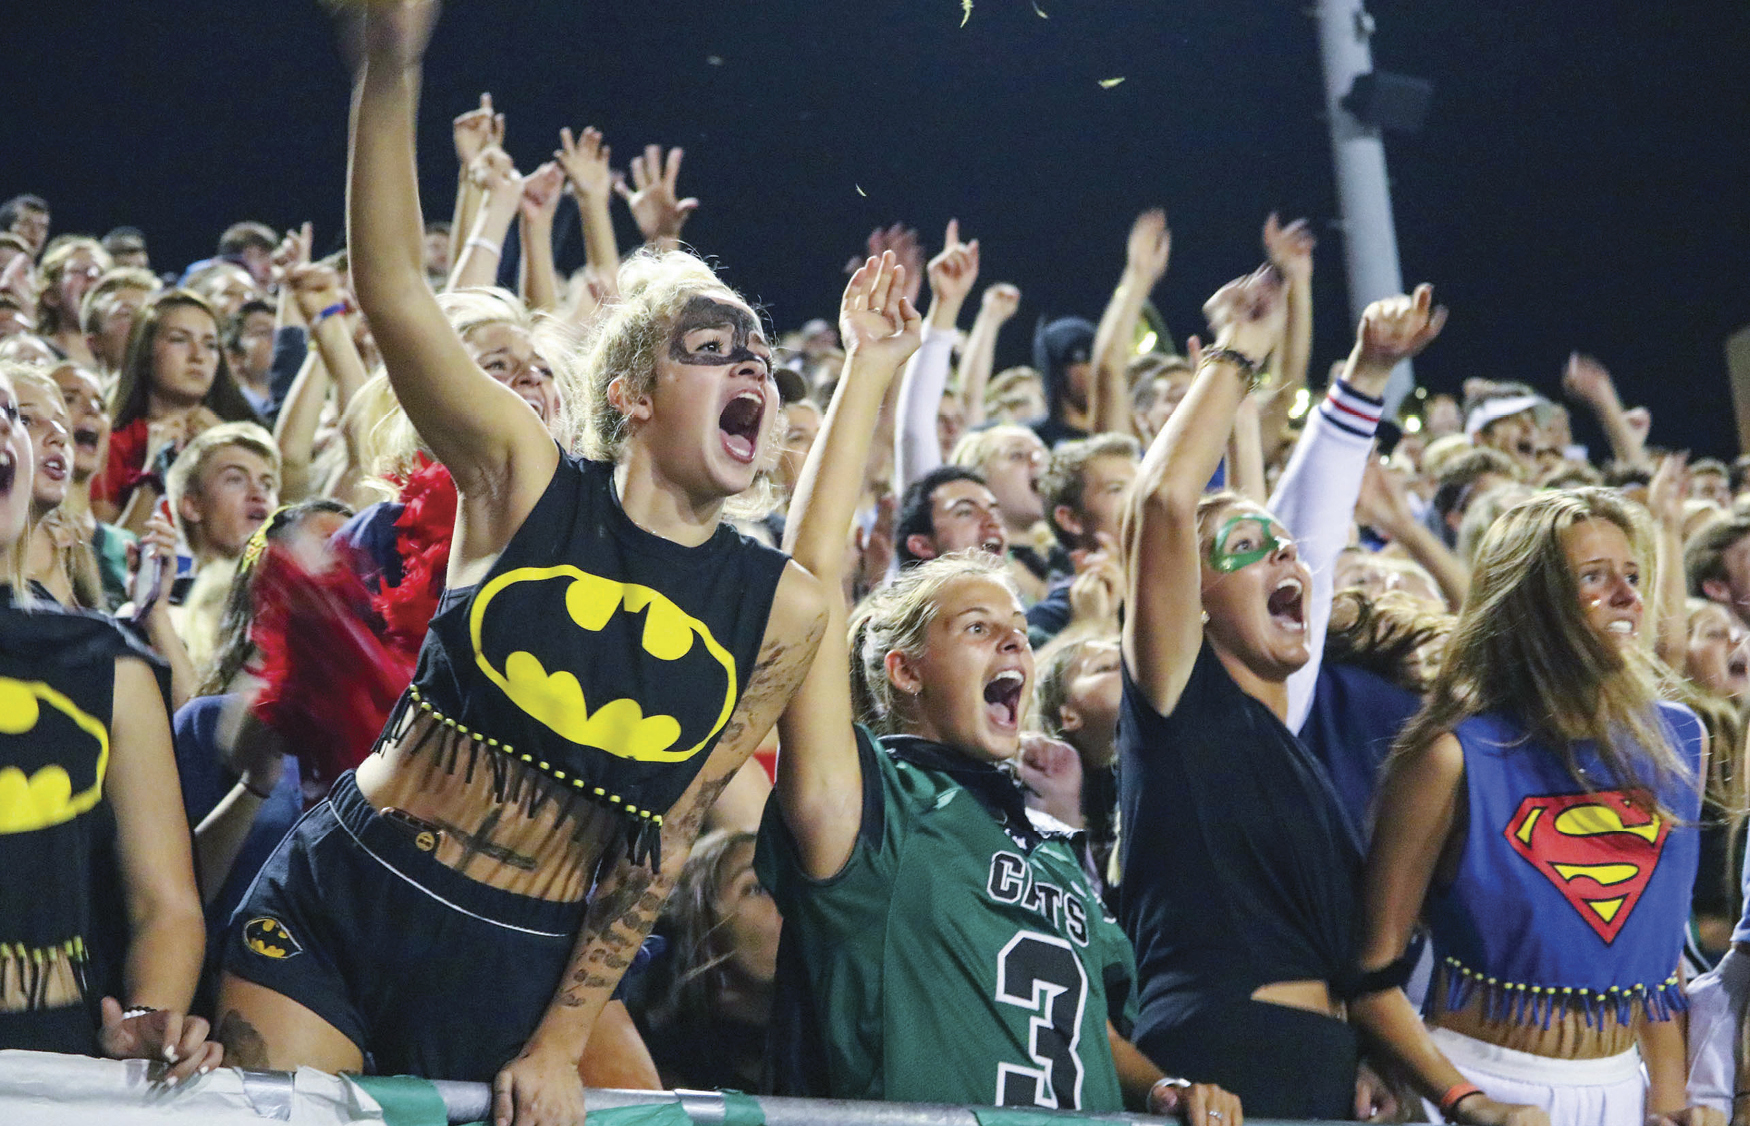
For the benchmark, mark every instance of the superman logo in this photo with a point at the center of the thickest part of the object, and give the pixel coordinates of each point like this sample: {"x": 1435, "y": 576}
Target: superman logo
{"x": 270, "y": 938}
{"x": 628, "y": 643}
{"x": 1598, "y": 849}
{"x": 55, "y": 756}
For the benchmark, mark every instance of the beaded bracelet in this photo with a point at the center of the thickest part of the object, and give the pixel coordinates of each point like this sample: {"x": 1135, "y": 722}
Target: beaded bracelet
{"x": 1251, "y": 369}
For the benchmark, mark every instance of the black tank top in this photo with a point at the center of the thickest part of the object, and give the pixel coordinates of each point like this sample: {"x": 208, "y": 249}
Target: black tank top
{"x": 596, "y": 660}
{"x": 58, "y": 907}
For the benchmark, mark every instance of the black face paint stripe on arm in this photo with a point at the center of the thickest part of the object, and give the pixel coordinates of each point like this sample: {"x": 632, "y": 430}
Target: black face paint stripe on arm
{"x": 708, "y": 312}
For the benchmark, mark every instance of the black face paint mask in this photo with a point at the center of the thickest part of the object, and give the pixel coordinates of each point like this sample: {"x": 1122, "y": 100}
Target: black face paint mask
{"x": 706, "y": 312}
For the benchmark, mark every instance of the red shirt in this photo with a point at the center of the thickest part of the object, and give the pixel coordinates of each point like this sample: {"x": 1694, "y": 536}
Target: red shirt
{"x": 125, "y": 466}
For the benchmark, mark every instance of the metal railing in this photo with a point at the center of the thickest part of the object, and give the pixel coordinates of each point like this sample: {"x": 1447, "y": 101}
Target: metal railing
{"x": 271, "y": 1094}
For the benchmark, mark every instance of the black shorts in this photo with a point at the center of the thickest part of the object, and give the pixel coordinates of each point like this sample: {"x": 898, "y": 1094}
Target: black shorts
{"x": 429, "y": 972}
{"x": 1282, "y": 1062}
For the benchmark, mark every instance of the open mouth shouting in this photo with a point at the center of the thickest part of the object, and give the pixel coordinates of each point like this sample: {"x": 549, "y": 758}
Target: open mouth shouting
{"x": 739, "y": 425}
{"x": 1002, "y": 699}
{"x": 1287, "y": 605}
{"x": 8, "y": 472}
{"x": 85, "y": 439}
{"x": 54, "y": 467}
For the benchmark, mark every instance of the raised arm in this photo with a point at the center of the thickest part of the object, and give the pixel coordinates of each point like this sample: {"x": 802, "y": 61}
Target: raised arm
{"x": 917, "y": 450}
{"x": 318, "y": 294}
{"x": 1145, "y": 262}
{"x": 1589, "y": 381}
{"x": 1384, "y": 506}
{"x": 472, "y": 133}
{"x": 978, "y": 358}
{"x": 1245, "y": 452}
{"x": 1315, "y": 498}
{"x": 585, "y": 161}
{"x": 492, "y": 444}
{"x": 820, "y": 787}
{"x": 1290, "y": 250}
{"x": 1163, "y": 628}
{"x": 1670, "y": 599}
{"x": 654, "y": 198}
{"x": 501, "y": 188}
{"x": 540, "y": 202}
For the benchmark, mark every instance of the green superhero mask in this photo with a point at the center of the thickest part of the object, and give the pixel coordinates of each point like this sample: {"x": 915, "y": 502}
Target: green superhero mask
{"x": 1251, "y": 526}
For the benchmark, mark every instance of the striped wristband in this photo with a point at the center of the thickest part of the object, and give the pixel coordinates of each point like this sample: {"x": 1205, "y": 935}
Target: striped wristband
{"x": 1350, "y": 411}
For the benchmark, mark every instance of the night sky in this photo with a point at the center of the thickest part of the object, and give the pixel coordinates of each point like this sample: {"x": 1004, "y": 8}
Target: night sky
{"x": 1582, "y": 181}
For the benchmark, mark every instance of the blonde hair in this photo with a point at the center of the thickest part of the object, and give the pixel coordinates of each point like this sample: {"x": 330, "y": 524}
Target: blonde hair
{"x": 1056, "y": 664}
{"x": 978, "y": 448}
{"x": 1442, "y": 450}
{"x": 111, "y": 283}
{"x": 53, "y": 318}
{"x": 897, "y": 618}
{"x": 185, "y": 472}
{"x": 624, "y": 343}
{"x": 1523, "y": 647}
{"x": 384, "y": 443}
{"x": 1483, "y": 514}
{"x": 15, "y": 556}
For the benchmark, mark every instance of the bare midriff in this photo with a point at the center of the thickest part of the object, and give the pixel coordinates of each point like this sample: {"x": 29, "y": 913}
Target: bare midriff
{"x": 1568, "y": 1037}
{"x": 1313, "y": 996}
{"x": 546, "y": 849}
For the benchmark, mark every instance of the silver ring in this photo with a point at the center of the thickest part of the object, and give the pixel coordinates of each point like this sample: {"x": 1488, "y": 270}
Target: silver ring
{"x": 1216, "y": 1114}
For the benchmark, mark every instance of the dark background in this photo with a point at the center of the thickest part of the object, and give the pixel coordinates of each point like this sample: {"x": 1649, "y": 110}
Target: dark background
{"x": 1581, "y": 182}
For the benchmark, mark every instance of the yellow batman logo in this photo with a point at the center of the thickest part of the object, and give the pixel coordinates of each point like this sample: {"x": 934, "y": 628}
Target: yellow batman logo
{"x": 270, "y": 938}
{"x": 45, "y": 797}
{"x": 555, "y": 697}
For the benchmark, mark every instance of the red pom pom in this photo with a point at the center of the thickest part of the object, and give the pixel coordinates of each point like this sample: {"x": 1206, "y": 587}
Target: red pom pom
{"x": 329, "y": 680}
{"x": 423, "y": 533}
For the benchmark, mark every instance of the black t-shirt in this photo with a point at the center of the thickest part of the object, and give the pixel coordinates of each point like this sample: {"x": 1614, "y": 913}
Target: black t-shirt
{"x": 1239, "y": 868}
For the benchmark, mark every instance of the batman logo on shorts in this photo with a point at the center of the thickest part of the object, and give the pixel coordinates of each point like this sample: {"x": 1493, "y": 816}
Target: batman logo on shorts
{"x": 270, "y": 938}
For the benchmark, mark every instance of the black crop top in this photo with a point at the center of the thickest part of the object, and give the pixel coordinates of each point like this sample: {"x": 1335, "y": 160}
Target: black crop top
{"x": 595, "y": 657}
{"x": 60, "y": 931}
{"x": 1239, "y": 867}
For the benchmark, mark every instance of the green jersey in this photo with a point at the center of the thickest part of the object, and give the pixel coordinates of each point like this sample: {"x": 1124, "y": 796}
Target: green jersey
{"x": 959, "y": 957}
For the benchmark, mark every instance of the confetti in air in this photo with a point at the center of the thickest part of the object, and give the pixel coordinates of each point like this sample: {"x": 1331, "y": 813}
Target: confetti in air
{"x": 1039, "y": 11}
{"x": 965, "y": 7}
{"x": 1108, "y": 83}
{"x": 860, "y": 191}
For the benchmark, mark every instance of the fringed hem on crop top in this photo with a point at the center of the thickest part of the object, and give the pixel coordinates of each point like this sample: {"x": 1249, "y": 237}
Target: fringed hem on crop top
{"x": 1567, "y": 900}
{"x": 596, "y": 660}
{"x": 1458, "y": 984}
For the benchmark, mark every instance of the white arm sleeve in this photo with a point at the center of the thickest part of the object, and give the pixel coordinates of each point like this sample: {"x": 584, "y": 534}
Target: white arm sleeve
{"x": 1315, "y": 500}
{"x": 916, "y": 450}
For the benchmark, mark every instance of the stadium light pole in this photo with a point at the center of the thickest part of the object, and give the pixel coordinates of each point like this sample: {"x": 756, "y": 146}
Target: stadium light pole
{"x": 1370, "y": 241}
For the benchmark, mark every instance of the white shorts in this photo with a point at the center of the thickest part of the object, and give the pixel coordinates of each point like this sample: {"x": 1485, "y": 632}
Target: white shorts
{"x": 1716, "y": 1005}
{"x": 1604, "y": 1092}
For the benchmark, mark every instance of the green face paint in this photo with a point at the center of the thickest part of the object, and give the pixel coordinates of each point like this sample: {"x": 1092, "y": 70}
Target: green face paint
{"x": 1253, "y": 539}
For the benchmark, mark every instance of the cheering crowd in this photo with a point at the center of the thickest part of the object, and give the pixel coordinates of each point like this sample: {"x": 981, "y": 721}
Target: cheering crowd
{"x": 419, "y": 661}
